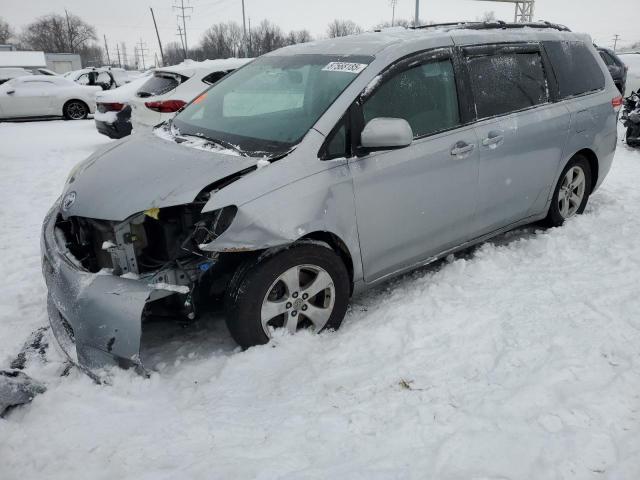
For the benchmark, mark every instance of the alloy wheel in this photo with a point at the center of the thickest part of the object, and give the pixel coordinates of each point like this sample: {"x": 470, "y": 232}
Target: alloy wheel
{"x": 571, "y": 192}
{"x": 76, "y": 111}
{"x": 301, "y": 297}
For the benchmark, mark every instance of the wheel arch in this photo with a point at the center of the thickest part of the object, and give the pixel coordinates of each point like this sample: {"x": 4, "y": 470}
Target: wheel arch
{"x": 336, "y": 243}
{"x": 594, "y": 165}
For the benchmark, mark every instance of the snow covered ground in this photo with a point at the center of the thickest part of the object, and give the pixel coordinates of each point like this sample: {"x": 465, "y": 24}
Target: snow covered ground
{"x": 519, "y": 360}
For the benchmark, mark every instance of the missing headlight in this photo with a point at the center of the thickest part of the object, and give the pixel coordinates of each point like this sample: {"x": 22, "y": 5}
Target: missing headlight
{"x": 214, "y": 225}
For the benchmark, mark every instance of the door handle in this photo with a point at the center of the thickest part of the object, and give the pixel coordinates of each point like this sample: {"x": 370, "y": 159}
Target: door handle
{"x": 461, "y": 148}
{"x": 493, "y": 139}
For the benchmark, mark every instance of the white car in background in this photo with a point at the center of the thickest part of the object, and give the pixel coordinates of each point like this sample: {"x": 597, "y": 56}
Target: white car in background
{"x": 171, "y": 88}
{"x": 7, "y": 73}
{"x": 632, "y": 60}
{"x": 46, "y": 96}
{"x": 106, "y": 77}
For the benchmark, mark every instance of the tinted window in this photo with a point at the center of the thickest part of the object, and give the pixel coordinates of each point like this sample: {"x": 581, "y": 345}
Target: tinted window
{"x": 608, "y": 59}
{"x": 425, "y": 96}
{"x": 507, "y": 82}
{"x": 160, "y": 83}
{"x": 336, "y": 147}
{"x": 576, "y": 69}
{"x": 214, "y": 77}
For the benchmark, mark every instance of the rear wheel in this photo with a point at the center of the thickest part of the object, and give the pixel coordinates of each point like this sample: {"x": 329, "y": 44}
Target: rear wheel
{"x": 75, "y": 110}
{"x": 303, "y": 287}
{"x": 571, "y": 193}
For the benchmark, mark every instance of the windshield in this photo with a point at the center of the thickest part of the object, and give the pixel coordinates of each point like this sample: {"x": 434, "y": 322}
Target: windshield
{"x": 267, "y": 106}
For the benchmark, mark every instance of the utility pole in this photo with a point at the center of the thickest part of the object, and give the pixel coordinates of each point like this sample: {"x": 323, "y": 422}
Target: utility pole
{"x": 142, "y": 47}
{"x": 69, "y": 31}
{"x": 416, "y": 20}
{"x": 250, "y": 45}
{"x": 244, "y": 29}
{"x": 125, "y": 60}
{"x": 616, "y": 37}
{"x": 158, "y": 35}
{"x": 182, "y": 41}
{"x": 106, "y": 47}
{"x": 118, "y": 50}
{"x": 393, "y": 11}
{"x": 182, "y": 8}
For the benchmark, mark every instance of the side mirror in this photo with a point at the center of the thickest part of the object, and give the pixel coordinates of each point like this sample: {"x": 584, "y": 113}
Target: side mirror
{"x": 385, "y": 133}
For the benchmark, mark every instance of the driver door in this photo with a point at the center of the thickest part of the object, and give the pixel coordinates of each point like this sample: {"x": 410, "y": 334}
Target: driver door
{"x": 416, "y": 202}
{"x": 27, "y": 98}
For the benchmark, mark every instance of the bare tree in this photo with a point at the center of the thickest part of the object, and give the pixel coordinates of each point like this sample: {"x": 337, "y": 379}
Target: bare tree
{"x": 487, "y": 17}
{"x": 400, "y": 22}
{"x": 342, "y": 28}
{"x": 298, "y": 36}
{"x": 5, "y": 31}
{"x": 173, "y": 53}
{"x": 222, "y": 40}
{"x": 53, "y": 33}
{"x": 266, "y": 37}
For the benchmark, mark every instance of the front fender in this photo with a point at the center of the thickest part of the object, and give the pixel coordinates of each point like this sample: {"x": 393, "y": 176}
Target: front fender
{"x": 320, "y": 202}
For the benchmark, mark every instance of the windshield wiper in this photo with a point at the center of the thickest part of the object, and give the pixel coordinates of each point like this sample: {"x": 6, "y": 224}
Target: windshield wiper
{"x": 222, "y": 143}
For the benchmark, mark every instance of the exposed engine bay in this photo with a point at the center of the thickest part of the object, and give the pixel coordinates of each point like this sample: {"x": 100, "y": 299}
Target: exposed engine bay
{"x": 160, "y": 247}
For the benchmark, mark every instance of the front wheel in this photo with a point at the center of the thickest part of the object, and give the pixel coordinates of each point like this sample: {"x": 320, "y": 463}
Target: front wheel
{"x": 75, "y": 110}
{"x": 305, "y": 286}
{"x": 572, "y": 192}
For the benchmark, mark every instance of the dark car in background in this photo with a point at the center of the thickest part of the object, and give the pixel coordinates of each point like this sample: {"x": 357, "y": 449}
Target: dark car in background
{"x": 616, "y": 67}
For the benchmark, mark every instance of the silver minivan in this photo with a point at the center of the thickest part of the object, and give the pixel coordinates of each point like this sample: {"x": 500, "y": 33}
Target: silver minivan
{"x": 320, "y": 170}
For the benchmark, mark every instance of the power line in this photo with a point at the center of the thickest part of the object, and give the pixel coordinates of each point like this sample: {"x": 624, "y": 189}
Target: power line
{"x": 182, "y": 9}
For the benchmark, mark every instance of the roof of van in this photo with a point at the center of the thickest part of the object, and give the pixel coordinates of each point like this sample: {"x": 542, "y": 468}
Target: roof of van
{"x": 371, "y": 43}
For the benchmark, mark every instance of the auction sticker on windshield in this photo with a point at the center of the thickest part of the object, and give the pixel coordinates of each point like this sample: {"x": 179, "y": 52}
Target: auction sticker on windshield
{"x": 345, "y": 67}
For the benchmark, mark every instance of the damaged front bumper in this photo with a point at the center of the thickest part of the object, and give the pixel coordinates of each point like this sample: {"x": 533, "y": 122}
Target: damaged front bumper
{"x": 96, "y": 318}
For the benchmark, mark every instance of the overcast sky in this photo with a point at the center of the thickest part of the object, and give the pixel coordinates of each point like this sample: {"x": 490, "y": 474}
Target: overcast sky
{"x": 130, "y": 20}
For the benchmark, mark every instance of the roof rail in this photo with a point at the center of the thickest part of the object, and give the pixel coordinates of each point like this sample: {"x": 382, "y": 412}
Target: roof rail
{"x": 498, "y": 24}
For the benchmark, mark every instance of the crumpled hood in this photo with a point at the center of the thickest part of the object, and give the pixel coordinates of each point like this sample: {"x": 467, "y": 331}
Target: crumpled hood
{"x": 142, "y": 172}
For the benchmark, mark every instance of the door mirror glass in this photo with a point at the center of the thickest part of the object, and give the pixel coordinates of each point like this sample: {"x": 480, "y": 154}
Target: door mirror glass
{"x": 384, "y": 133}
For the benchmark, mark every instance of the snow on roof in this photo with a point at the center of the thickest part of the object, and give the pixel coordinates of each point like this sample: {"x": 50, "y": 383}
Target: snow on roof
{"x": 22, "y": 59}
{"x": 190, "y": 67}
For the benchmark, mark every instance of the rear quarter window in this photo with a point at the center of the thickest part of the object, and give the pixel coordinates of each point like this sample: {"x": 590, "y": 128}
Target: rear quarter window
{"x": 160, "y": 83}
{"x": 507, "y": 82}
{"x": 215, "y": 76}
{"x": 577, "y": 70}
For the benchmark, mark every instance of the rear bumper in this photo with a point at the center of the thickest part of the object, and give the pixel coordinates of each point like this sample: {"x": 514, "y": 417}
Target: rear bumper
{"x": 96, "y": 318}
{"x": 118, "y": 129}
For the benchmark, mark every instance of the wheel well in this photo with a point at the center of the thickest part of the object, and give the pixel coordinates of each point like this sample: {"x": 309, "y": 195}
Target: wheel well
{"x": 338, "y": 245}
{"x": 593, "y": 164}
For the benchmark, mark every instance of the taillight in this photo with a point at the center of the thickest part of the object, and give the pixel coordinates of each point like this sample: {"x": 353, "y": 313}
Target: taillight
{"x": 616, "y": 103}
{"x": 165, "y": 106}
{"x": 110, "y": 107}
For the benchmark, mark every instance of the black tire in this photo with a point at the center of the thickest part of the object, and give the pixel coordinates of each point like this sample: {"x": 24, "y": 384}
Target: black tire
{"x": 554, "y": 217}
{"x": 75, "y": 110}
{"x": 253, "y": 280}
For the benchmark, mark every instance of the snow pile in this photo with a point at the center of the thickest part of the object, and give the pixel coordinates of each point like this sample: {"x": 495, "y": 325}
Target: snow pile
{"x": 107, "y": 117}
{"x": 519, "y": 360}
